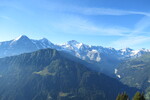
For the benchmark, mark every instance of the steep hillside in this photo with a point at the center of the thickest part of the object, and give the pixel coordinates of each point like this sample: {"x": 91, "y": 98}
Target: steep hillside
{"x": 136, "y": 72}
{"x": 48, "y": 75}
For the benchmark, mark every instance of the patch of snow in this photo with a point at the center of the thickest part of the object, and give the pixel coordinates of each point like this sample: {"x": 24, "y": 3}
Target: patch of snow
{"x": 94, "y": 51}
{"x": 72, "y": 45}
{"x": 98, "y": 59}
{"x": 35, "y": 44}
{"x": 94, "y": 55}
{"x": 135, "y": 52}
{"x": 118, "y": 76}
{"x": 83, "y": 57}
{"x": 79, "y": 45}
{"x": 116, "y": 71}
{"x": 78, "y": 55}
{"x": 18, "y": 38}
{"x": 43, "y": 45}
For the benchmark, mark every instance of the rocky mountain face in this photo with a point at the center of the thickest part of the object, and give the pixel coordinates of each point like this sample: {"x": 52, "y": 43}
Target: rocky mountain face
{"x": 48, "y": 75}
{"x": 87, "y": 52}
{"x": 103, "y": 59}
{"x": 136, "y": 67}
{"x": 135, "y": 72}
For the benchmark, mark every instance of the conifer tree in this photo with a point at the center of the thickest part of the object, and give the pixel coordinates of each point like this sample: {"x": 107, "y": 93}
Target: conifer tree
{"x": 142, "y": 97}
{"x": 118, "y": 97}
{"x": 139, "y": 96}
{"x": 122, "y": 96}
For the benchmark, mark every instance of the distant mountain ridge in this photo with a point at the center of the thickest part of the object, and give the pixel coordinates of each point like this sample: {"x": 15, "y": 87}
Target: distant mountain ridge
{"x": 81, "y": 50}
{"x": 88, "y": 50}
{"x": 103, "y": 59}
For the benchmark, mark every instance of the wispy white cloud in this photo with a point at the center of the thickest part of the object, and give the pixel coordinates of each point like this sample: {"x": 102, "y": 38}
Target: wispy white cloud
{"x": 91, "y": 10}
{"x": 130, "y": 41}
{"x": 137, "y": 36}
{"x": 58, "y": 7}
{"x": 16, "y": 6}
{"x": 128, "y": 37}
{"x": 78, "y": 25}
{"x": 108, "y": 11}
{"x": 141, "y": 25}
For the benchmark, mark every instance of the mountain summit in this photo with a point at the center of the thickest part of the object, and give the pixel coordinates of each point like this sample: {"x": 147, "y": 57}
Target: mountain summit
{"x": 21, "y": 37}
{"x": 21, "y": 40}
{"x": 73, "y": 42}
{"x": 23, "y": 44}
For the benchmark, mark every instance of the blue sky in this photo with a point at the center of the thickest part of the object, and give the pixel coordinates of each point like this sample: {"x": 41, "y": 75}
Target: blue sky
{"x": 108, "y": 23}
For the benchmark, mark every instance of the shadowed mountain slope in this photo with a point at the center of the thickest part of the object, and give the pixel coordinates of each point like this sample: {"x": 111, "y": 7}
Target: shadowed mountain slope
{"x": 48, "y": 75}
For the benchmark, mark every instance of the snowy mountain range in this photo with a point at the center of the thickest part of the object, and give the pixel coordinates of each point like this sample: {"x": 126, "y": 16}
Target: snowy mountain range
{"x": 22, "y": 44}
{"x": 107, "y": 58}
{"x": 87, "y": 52}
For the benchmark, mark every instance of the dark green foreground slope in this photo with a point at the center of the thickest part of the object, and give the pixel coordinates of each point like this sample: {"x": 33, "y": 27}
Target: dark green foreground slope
{"x": 47, "y": 75}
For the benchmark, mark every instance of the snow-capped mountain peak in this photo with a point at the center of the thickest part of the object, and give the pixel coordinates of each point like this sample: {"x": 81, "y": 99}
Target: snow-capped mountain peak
{"x": 21, "y": 37}
{"x": 44, "y": 39}
{"x": 23, "y": 44}
{"x": 72, "y": 45}
{"x": 126, "y": 50}
{"x": 146, "y": 50}
{"x": 45, "y": 43}
{"x": 73, "y": 42}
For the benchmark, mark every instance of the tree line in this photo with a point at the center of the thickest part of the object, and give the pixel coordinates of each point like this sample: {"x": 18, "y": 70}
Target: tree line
{"x": 137, "y": 96}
